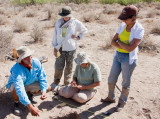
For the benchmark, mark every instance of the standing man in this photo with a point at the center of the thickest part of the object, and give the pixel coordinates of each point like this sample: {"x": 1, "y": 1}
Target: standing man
{"x": 68, "y": 31}
{"x": 126, "y": 40}
{"x": 27, "y": 78}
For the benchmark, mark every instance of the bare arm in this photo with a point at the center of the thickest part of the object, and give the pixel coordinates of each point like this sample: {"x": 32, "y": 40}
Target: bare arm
{"x": 131, "y": 46}
{"x": 113, "y": 42}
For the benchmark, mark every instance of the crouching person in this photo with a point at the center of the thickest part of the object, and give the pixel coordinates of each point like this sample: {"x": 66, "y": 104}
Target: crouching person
{"x": 86, "y": 77}
{"x": 27, "y": 78}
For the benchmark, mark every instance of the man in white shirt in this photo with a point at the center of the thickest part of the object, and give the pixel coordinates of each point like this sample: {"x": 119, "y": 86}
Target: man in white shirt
{"x": 68, "y": 31}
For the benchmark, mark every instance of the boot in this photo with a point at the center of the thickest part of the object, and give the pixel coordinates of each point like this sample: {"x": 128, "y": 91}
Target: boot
{"x": 30, "y": 96}
{"x": 17, "y": 109}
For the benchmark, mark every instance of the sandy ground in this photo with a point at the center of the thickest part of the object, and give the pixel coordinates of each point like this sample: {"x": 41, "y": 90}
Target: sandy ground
{"x": 144, "y": 97}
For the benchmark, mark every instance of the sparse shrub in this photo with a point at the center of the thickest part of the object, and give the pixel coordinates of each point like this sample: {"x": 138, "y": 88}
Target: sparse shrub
{"x": 5, "y": 43}
{"x": 89, "y": 16}
{"x": 103, "y": 19}
{"x": 156, "y": 29}
{"x": 37, "y": 33}
{"x": 150, "y": 14}
{"x": 2, "y": 20}
{"x": 74, "y": 1}
{"x": 108, "y": 41}
{"x": 29, "y": 13}
{"x": 2, "y": 11}
{"x": 148, "y": 44}
{"x": 109, "y": 11}
{"x": 20, "y": 26}
{"x": 29, "y": 2}
{"x": 125, "y": 2}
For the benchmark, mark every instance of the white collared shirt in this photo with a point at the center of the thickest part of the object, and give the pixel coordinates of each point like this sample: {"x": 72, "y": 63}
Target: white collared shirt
{"x": 75, "y": 27}
{"x": 137, "y": 32}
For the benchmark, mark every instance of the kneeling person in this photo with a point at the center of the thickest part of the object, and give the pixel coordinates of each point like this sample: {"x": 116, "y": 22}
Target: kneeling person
{"x": 27, "y": 78}
{"x": 86, "y": 77}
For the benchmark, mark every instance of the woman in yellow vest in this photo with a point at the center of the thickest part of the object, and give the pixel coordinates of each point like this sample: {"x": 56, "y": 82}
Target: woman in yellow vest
{"x": 126, "y": 40}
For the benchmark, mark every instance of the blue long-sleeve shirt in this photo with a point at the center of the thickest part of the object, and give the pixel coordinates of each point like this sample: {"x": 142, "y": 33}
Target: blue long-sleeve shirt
{"x": 21, "y": 76}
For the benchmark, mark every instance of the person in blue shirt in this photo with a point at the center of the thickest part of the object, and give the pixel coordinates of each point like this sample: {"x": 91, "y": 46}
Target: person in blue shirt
{"x": 27, "y": 78}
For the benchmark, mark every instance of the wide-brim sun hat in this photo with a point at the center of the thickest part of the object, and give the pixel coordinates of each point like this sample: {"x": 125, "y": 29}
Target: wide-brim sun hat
{"x": 82, "y": 57}
{"x": 66, "y": 12}
{"x": 23, "y": 52}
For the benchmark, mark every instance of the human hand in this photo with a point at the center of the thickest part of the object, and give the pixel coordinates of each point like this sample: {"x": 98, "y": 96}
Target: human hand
{"x": 43, "y": 96}
{"x": 73, "y": 84}
{"x": 55, "y": 52}
{"x": 34, "y": 111}
{"x": 81, "y": 87}
{"x": 74, "y": 37}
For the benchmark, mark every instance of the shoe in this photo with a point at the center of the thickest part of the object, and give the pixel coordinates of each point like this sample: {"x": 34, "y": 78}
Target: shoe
{"x": 30, "y": 96}
{"x": 108, "y": 100}
{"x": 17, "y": 109}
{"x": 119, "y": 107}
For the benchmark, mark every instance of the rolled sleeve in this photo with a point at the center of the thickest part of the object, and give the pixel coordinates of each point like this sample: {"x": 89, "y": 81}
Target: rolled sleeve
{"x": 81, "y": 28}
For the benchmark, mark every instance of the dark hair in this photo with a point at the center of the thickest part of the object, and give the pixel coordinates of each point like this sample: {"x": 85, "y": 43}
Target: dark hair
{"x": 131, "y": 16}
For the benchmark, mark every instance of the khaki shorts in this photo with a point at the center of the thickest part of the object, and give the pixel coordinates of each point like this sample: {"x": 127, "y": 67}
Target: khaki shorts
{"x": 34, "y": 87}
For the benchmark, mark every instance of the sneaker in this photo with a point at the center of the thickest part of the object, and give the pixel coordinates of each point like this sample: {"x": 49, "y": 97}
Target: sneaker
{"x": 119, "y": 107}
{"x": 30, "y": 96}
{"x": 108, "y": 100}
{"x": 17, "y": 109}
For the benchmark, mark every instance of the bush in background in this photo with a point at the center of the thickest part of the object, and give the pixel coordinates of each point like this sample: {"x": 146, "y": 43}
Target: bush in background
{"x": 29, "y": 2}
{"x": 156, "y": 29}
{"x": 148, "y": 45}
{"x": 74, "y": 1}
{"x": 37, "y": 33}
{"x": 5, "y": 43}
{"x": 20, "y": 26}
{"x": 125, "y": 2}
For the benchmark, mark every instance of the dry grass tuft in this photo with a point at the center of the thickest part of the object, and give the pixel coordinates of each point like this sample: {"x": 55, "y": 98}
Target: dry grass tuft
{"x": 89, "y": 16}
{"x": 5, "y": 43}
{"x": 107, "y": 45}
{"x": 20, "y": 26}
{"x": 103, "y": 19}
{"x": 156, "y": 29}
{"x": 109, "y": 11}
{"x": 2, "y": 11}
{"x": 2, "y": 20}
{"x": 148, "y": 45}
{"x": 150, "y": 14}
{"x": 37, "y": 33}
{"x": 30, "y": 13}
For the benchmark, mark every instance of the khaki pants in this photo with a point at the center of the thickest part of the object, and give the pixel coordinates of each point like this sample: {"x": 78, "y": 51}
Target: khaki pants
{"x": 80, "y": 96}
{"x": 34, "y": 87}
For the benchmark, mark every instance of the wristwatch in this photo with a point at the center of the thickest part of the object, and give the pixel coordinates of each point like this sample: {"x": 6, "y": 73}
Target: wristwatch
{"x": 78, "y": 37}
{"x": 117, "y": 40}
